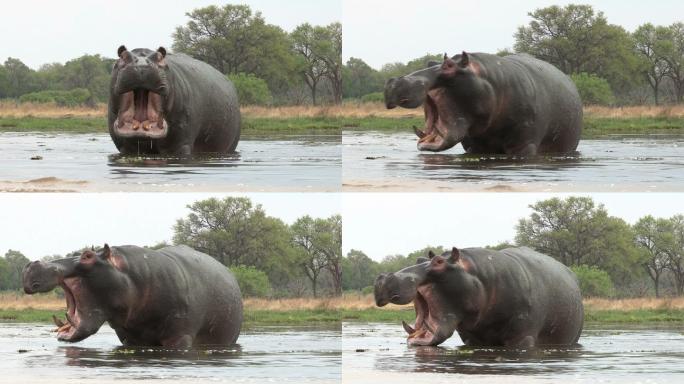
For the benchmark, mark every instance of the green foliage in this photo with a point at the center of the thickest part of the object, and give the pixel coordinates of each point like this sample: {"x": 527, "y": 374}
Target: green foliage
{"x": 576, "y": 39}
{"x": 252, "y": 282}
{"x": 594, "y": 282}
{"x": 360, "y": 79}
{"x": 358, "y": 271}
{"x": 592, "y": 89}
{"x": 251, "y": 89}
{"x": 373, "y": 97}
{"x": 577, "y": 232}
{"x": 11, "y": 267}
{"x": 319, "y": 244}
{"x": 71, "y": 98}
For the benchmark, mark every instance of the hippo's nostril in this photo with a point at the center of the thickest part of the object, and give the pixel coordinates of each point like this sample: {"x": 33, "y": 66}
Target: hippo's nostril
{"x": 35, "y": 286}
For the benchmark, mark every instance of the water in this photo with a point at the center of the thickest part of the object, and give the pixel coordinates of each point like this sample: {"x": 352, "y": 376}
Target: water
{"x": 375, "y": 160}
{"x": 90, "y": 162}
{"x": 607, "y": 354}
{"x": 286, "y": 354}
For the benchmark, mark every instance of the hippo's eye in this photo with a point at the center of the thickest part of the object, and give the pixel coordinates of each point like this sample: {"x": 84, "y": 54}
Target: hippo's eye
{"x": 35, "y": 285}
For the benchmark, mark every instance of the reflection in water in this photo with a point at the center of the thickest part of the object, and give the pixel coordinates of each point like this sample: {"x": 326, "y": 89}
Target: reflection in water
{"x": 644, "y": 354}
{"x": 377, "y": 158}
{"x": 297, "y": 354}
{"x": 276, "y": 161}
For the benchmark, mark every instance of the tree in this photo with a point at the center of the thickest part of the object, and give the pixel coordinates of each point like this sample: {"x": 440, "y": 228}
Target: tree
{"x": 252, "y": 282}
{"x": 331, "y": 54}
{"x": 235, "y": 232}
{"x": 593, "y": 89}
{"x": 18, "y": 77}
{"x": 593, "y": 281}
{"x": 89, "y": 72}
{"x": 648, "y": 43}
{"x": 329, "y": 242}
{"x": 360, "y": 79}
{"x": 673, "y": 247}
{"x": 234, "y": 40}
{"x": 673, "y": 55}
{"x": 575, "y": 39}
{"x": 576, "y": 232}
{"x": 305, "y": 238}
{"x": 15, "y": 263}
{"x": 306, "y": 42}
{"x": 648, "y": 235}
{"x": 251, "y": 89}
{"x": 358, "y": 270}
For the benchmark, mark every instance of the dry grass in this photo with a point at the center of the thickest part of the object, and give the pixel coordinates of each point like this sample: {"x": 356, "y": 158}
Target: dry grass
{"x": 353, "y": 110}
{"x": 12, "y": 300}
{"x": 48, "y": 110}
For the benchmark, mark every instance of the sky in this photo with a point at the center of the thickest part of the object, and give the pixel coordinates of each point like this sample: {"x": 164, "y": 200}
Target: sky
{"x": 39, "y": 31}
{"x": 46, "y": 224}
{"x": 386, "y": 31}
{"x": 381, "y": 224}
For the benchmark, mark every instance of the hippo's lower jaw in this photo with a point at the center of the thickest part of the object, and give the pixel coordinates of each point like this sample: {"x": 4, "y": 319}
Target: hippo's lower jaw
{"x": 75, "y": 327}
{"x": 429, "y": 329}
{"x": 443, "y": 129}
{"x": 141, "y": 115}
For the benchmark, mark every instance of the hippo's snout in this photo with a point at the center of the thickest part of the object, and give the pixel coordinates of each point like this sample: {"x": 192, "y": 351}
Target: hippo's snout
{"x": 405, "y": 92}
{"x": 39, "y": 277}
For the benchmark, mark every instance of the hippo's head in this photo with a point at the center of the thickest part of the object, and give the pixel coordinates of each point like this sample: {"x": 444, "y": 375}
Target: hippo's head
{"x": 90, "y": 284}
{"x": 438, "y": 286}
{"x": 452, "y": 97}
{"x": 139, "y": 92}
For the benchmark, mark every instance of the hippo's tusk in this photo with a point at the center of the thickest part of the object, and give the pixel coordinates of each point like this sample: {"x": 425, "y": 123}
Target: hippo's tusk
{"x": 418, "y": 132}
{"x": 407, "y": 328}
{"x": 57, "y": 321}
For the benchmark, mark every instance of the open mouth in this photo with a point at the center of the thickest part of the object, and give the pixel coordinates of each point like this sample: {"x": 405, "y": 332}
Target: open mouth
{"x": 435, "y": 128}
{"x": 67, "y": 329}
{"x": 429, "y": 328}
{"x": 141, "y": 115}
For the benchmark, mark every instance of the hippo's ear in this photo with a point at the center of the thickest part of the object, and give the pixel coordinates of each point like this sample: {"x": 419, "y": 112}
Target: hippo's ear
{"x": 465, "y": 60}
{"x": 124, "y": 55}
{"x": 431, "y": 254}
{"x": 159, "y": 56}
{"x": 162, "y": 50}
{"x": 106, "y": 252}
{"x": 421, "y": 260}
{"x": 455, "y": 255}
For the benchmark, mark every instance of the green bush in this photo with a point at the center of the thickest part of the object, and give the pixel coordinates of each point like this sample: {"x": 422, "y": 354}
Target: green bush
{"x": 252, "y": 282}
{"x": 367, "y": 290}
{"x": 373, "y": 97}
{"x": 593, "y": 89}
{"x": 594, "y": 282}
{"x": 71, "y": 98}
{"x": 251, "y": 89}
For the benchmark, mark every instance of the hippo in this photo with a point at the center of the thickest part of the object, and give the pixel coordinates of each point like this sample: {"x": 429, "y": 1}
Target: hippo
{"x": 171, "y": 104}
{"x": 173, "y": 297}
{"x": 513, "y": 105}
{"x": 515, "y": 297}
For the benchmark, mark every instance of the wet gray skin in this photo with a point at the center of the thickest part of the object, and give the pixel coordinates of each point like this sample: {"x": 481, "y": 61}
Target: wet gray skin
{"x": 515, "y": 297}
{"x": 515, "y": 105}
{"x": 172, "y": 297}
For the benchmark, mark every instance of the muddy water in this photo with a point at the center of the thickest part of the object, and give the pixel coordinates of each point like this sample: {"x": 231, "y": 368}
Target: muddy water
{"x": 90, "y": 162}
{"x": 374, "y": 160}
{"x": 607, "y": 354}
{"x": 295, "y": 354}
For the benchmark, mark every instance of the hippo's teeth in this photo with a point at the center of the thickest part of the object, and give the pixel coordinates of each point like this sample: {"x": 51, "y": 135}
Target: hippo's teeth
{"x": 417, "y": 334}
{"x": 64, "y": 327}
{"x": 407, "y": 328}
